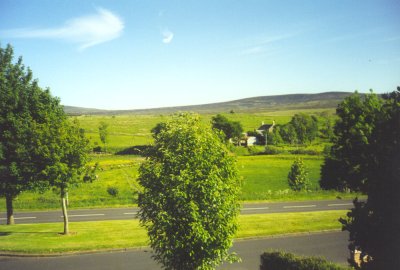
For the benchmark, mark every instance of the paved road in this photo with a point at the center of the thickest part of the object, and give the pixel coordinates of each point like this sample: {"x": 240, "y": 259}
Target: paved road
{"x": 129, "y": 213}
{"x": 331, "y": 245}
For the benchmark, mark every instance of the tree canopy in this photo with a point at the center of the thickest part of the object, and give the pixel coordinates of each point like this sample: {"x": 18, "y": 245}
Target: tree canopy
{"x": 26, "y": 113}
{"x": 231, "y": 129}
{"x": 67, "y": 152}
{"x": 374, "y": 224}
{"x": 189, "y": 204}
{"x": 346, "y": 167}
{"x": 365, "y": 156}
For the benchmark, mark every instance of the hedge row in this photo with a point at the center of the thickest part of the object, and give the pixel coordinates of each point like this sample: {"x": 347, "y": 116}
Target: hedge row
{"x": 286, "y": 261}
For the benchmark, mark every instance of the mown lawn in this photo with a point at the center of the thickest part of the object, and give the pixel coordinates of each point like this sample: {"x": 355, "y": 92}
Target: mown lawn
{"x": 103, "y": 235}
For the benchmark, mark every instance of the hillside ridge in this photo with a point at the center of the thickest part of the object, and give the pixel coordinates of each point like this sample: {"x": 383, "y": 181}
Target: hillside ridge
{"x": 252, "y": 104}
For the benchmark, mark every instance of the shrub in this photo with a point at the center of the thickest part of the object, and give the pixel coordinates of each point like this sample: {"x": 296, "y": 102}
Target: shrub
{"x": 97, "y": 149}
{"x": 113, "y": 191}
{"x": 140, "y": 150}
{"x": 272, "y": 150}
{"x": 298, "y": 176}
{"x": 311, "y": 152}
{"x": 286, "y": 261}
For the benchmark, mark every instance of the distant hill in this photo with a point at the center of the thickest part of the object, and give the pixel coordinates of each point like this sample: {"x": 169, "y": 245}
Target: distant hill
{"x": 254, "y": 104}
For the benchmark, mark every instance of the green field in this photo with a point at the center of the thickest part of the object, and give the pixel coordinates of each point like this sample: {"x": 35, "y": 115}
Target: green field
{"x": 264, "y": 177}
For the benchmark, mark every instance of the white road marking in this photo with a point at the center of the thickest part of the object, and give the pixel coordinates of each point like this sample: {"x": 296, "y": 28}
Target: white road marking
{"x": 19, "y": 218}
{"x": 132, "y": 213}
{"x": 340, "y": 204}
{"x": 300, "y": 206}
{"x": 86, "y": 215}
{"x": 254, "y": 208}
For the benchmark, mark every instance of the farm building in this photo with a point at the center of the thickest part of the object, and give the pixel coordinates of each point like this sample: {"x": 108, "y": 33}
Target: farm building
{"x": 259, "y": 138}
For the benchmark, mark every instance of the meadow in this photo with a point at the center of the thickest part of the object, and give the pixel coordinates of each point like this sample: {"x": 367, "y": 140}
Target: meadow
{"x": 263, "y": 177}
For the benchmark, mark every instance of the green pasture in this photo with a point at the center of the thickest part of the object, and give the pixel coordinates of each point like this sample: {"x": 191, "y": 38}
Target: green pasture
{"x": 130, "y": 130}
{"x": 264, "y": 177}
{"x": 104, "y": 235}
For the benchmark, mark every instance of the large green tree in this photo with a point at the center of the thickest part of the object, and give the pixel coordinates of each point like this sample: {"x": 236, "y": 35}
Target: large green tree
{"x": 306, "y": 127}
{"x": 347, "y": 165}
{"x": 374, "y": 224}
{"x": 26, "y": 112}
{"x": 189, "y": 204}
{"x": 230, "y": 129}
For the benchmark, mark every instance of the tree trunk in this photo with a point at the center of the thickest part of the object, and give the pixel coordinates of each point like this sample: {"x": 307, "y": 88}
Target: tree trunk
{"x": 65, "y": 214}
{"x": 10, "y": 210}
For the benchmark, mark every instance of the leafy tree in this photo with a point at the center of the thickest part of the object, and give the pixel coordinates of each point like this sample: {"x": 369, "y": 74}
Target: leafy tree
{"x": 68, "y": 154}
{"x": 327, "y": 127}
{"x": 298, "y": 176}
{"x": 288, "y": 133}
{"x": 103, "y": 133}
{"x": 189, "y": 204}
{"x": 346, "y": 167}
{"x": 26, "y": 111}
{"x": 231, "y": 129}
{"x": 306, "y": 127}
{"x": 374, "y": 224}
{"x": 275, "y": 137}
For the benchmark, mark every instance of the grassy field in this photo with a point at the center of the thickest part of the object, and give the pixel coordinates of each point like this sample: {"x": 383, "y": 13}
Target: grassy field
{"x": 130, "y": 130}
{"x": 264, "y": 177}
{"x": 103, "y": 235}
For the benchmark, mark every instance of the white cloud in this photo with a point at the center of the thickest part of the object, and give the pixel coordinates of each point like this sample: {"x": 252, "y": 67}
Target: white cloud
{"x": 167, "y": 36}
{"x": 86, "y": 31}
{"x": 262, "y": 45}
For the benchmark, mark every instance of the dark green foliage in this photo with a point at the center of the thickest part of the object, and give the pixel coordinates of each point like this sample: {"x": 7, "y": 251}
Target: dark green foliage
{"x": 287, "y": 261}
{"x": 231, "y": 129}
{"x": 298, "y": 176}
{"x": 189, "y": 204}
{"x": 310, "y": 152}
{"x": 26, "y": 113}
{"x": 274, "y": 137}
{"x": 140, "y": 150}
{"x": 288, "y": 134}
{"x": 272, "y": 150}
{"x": 374, "y": 225}
{"x": 305, "y": 126}
{"x": 348, "y": 163}
{"x": 112, "y": 191}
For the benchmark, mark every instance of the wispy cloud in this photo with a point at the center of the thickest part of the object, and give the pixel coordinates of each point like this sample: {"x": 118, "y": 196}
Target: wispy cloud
{"x": 167, "y": 36}
{"x": 86, "y": 31}
{"x": 262, "y": 45}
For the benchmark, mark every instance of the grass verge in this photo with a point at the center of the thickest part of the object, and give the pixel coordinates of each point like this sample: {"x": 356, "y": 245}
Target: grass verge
{"x": 105, "y": 235}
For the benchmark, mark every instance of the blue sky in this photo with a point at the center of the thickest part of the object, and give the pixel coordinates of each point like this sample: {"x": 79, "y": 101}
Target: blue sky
{"x": 127, "y": 54}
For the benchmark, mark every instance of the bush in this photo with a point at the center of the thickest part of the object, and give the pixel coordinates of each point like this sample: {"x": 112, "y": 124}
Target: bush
{"x": 286, "y": 261}
{"x": 113, "y": 191}
{"x": 97, "y": 149}
{"x": 311, "y": 152}
{"x": 272, "y": 150}
{"x": 298, "y": 176}
{"x": 140, "y": 150}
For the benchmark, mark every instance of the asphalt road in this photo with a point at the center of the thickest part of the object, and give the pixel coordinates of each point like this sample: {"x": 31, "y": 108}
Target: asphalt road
{"x": 129, "y": 213}
{"x": 332, "y": 246}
